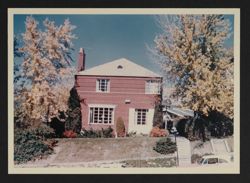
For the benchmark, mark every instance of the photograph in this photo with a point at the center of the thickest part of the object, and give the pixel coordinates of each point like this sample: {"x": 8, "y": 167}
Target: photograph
{"x": 123, "y": 91}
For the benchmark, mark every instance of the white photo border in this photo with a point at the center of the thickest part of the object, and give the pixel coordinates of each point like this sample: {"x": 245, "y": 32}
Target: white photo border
{"x": 124, "y": 11}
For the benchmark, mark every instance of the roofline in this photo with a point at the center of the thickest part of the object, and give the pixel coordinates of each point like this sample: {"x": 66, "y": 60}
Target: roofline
{"x": 174, "y": 112}
{"x": 120, "y": 59}
{"x": 121, "y": 76}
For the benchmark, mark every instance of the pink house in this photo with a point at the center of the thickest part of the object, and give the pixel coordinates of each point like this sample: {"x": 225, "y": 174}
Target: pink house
{"x": 119, "y": 88}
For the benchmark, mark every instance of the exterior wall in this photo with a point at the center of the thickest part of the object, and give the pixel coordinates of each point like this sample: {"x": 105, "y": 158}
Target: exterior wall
{"x": 121, "y": 89}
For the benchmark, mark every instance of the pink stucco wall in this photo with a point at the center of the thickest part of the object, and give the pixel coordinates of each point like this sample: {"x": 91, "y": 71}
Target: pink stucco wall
{"x": 121, "y": 89}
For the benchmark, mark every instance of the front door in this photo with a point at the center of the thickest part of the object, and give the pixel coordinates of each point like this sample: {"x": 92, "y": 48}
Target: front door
{"x": 140, "y": 120}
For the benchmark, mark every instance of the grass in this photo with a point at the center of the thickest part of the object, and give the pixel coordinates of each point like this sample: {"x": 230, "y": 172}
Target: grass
{"x": 152, "y": 163}
{"x": 87, "y": 150}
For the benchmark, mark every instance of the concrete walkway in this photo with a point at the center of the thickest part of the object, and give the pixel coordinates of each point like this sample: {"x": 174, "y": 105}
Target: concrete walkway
{"x": 184, "y": 151}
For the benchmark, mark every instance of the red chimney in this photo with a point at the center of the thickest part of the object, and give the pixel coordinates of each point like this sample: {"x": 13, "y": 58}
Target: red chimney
{"x": 81, "y": 60}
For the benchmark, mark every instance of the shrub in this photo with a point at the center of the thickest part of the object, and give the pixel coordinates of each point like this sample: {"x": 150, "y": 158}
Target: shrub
{"x": 32, "y": 143}
{"x": 120, "y": 127}
{"x": 165, "y": 146}
{"x": 88, "y": 133}
{"x": 157, "y": 132}
{"x": 44, "y": 131}
{"x": 202, "y": 127}
{"x": 103, "y": 133}
{"x": 58, "y": 126}
{"x": 131, "y": 134}
{"x": 220, "y": 126}
{"x": 74, "y": 114}
{"x": 107, "y": 132}
{"x": 69, "y": 134}
{"x": 195, "y": 158}
{"x": 158, "y": 117}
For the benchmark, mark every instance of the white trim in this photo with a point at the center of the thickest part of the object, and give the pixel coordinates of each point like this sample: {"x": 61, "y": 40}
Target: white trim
{"x": 120, "y": 77}
{"x": 185, "y": 111}
{"x": 116, "y": 92}
{"x": 142, "y": 112}
{"x": 145, "y": 129}
{"x": 98, "y": 85}
{"x": 110, "y": 69}
{"x": 173, "y": 112}
{"x": 102, "y": 106}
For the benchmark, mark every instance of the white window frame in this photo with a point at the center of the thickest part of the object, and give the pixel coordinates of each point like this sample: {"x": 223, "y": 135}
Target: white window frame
{"x": 98, "y": 85}
{"x": 141, "y": 112}
{"x": 149, "y": 86}
{"x": 103, "y": 107}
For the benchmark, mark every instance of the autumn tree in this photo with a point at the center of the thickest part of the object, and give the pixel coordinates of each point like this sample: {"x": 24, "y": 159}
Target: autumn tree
{"x": 194, "y": 58}
{"x": 42, "y": 91}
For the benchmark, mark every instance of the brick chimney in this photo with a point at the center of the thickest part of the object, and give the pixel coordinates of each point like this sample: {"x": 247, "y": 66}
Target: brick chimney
{"x": 81, "y": 60}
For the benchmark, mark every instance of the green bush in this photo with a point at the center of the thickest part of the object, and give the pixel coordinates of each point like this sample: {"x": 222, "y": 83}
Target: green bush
{"x": 43, "y": 131}
{"x": 107, "y": 133}
{"x": 165, "y": 146}
{"x": 131, "y": 134}
{"x": 32, "y": 143}
{"x": 74, "y": 119}
{"x": 202, "y": 127}
{"x": 90, "y": 133}
{"x": 103, "y": 133}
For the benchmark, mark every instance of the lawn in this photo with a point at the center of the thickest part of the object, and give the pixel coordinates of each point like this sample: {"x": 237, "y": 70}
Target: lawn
{"x": 93, "y": 151}
{"x": 152, "y": 163}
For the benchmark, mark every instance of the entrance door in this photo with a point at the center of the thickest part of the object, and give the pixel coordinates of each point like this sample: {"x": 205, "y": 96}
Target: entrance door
{"x": 140, "y": 120}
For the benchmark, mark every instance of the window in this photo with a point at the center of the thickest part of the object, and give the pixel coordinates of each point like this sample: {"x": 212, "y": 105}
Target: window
{"x": 212, "y": 160}
{"x": 222, "y": 161}
{"x": 119, "y": 67}
{"x": 153, "y": 87}
{"x": 201, "y": 161}
{"x": 101, "y": 115}
{"x": 102, "y": 85}
{"x": 141, "y": 116}
{"x": 204, "y": 161}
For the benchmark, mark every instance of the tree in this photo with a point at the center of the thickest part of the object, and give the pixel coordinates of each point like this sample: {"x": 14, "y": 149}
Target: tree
{"x": 193, "y": 57}
{"x": 46, "y": 76}
{"x": 17, "y": 52}
{"x": 74, "y": 120}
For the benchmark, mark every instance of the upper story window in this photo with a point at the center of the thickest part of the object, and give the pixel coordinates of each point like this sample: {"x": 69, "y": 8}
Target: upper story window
{"x": 153, "y": 87}
{"x": 102, "y": 85}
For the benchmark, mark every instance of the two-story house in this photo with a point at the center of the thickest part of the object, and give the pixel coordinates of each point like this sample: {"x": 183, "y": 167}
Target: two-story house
{"x": 119, "y": 88}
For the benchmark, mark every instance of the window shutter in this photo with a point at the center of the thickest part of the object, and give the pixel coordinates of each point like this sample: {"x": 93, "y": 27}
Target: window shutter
{"x": 108, "y": 87}
{"x": 97, "y": 89}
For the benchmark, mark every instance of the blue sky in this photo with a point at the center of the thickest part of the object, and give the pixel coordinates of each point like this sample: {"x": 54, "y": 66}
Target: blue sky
{"x": 109, "y": 37}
